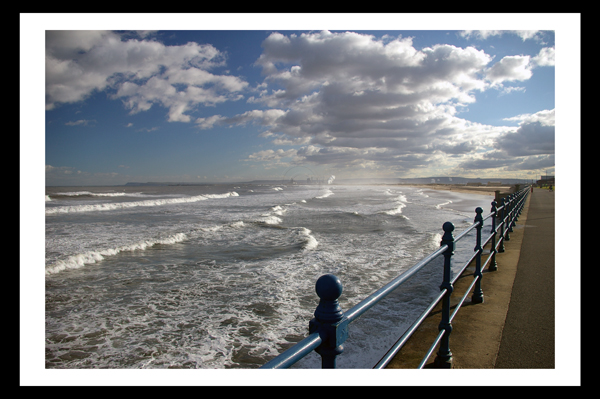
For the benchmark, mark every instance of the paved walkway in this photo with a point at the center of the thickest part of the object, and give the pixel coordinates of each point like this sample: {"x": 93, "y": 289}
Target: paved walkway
{"x": 528, "y": 334}
{"x": 514, "y": 326}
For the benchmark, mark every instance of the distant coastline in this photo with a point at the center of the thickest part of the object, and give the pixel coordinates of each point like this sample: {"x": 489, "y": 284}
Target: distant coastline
{"x": 479, "y": 184}
{"x": 491, "y": 190}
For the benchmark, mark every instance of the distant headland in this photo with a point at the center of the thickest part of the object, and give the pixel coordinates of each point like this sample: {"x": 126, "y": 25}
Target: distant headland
{"x": 407, "y": 181}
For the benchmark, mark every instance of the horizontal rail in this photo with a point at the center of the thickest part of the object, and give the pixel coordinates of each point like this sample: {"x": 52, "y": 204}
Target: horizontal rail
{"x": 465, "y": 232}
{"x": 409, "y": 332}
{"x": 295, "y": 353}
{"x": 356, "y": 311}
{"x": 431, "y": 348}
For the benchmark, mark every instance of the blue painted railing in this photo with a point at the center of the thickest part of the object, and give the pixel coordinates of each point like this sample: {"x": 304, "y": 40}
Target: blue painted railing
{"x": 328, "y": 330}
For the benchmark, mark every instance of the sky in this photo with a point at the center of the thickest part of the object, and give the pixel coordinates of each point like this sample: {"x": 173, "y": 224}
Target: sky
{"x": 204, "y": 101}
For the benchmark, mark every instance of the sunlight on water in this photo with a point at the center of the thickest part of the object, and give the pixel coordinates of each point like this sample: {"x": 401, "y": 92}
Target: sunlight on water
{"x": 223, "y": 276}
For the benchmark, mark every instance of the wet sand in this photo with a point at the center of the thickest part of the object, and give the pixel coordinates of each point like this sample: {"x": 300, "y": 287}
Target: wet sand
{"x": 466, "y": 189}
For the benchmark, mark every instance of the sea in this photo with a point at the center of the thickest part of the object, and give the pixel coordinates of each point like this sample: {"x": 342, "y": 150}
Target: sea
{"x": 222, "y": 276}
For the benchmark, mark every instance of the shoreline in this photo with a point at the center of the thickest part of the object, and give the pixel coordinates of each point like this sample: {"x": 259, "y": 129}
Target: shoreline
{"x": 484, "y": 190}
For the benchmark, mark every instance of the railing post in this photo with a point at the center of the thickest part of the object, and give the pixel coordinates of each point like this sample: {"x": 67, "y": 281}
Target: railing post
{"x": 329, "y": 320}
{"x": 513, "y": 209}
{"x": 444, "y": 356}
{"x": 505, "y": 216}
{"x": 493, "y": 265}
{"x": 511, "y": 215}
{"x": 477, "y": 291}
{"x": 517, "y": 208}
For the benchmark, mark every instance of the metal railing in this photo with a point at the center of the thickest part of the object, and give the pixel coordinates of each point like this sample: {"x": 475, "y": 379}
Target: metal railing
{"x": 328, "y": 330}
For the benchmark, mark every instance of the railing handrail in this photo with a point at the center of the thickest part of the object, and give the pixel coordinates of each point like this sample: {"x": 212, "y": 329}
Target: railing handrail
{"x": 357, "y": 310}
{"x": 329, "y": 329}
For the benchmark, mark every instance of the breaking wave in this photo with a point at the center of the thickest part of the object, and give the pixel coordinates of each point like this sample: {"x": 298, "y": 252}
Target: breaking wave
{"x": 123, "y": 205}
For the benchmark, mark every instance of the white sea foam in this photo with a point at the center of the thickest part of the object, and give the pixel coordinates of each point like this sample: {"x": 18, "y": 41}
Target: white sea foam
{"x": 396, "y": 210}
{"x": 90, "y": 257}
{"x": 123, "y": 205}
{"x": 310, "y": 242}
{"x": 226, "y": 195}
{"x": 327, "y": 194}
{"x": 269, "y": 219}
{"x": 80, "y": 193}
{"x": 439, "y": 206}
{"x": 401, "y": 204}
{"x": 278, "y": 210}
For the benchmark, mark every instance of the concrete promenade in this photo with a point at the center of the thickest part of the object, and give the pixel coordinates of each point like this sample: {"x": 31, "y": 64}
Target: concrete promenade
{"x": 514, "y": 327}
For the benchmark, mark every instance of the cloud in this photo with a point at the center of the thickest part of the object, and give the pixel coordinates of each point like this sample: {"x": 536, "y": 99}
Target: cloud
{"x": 486, "y": 34}
{"x": 262, "y": 117}
{"x": 510, "y": 68}
{"x": 273, "y": 158}
{"x": 530, "y": 139}
{"x": 545, "y": 117}
{"x": 79, "y": 122}
{"x": 270, "y": 155}
{"x": 545, "y": 57}
{"x": 530, "y": 147}
{"x": 351, "y": 99}
{"x": 352, "y": 88}
{"x": 140, "y": 72}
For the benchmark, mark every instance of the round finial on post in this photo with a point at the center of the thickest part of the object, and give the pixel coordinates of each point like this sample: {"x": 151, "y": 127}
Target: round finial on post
{"x": 329, "y": 287}
{"x": 479, "y": 217}
{"x": 448, "y": 227}
{"x": 447, "y": 238}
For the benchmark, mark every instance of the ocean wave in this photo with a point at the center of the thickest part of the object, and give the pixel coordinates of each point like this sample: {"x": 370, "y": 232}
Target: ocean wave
{"x": 420, "y": 192}
{"x": 396, "y": 210}
{"x": 268, "y": 219}
{"x": 439, "y": 206}
{"x": 309, "y": 242}
{"x": 90, "y": 257}
{"x": 327, "y": 194}
{"x": 401, "y": 202}
{"x": 278, "y": 210}
{"x": 123, "y": 205}
{"x": 91, "y": 194}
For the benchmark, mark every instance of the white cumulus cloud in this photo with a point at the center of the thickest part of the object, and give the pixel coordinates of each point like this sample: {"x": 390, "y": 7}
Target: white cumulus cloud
{"x": 138, "y": 71}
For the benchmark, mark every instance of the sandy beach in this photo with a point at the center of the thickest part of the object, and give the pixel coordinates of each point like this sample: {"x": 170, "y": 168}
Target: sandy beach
{"x": 467, "y": 189}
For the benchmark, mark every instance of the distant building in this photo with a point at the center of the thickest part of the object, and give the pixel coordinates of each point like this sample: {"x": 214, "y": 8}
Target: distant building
{"x": 494, "y": 184}
{"x": 545, "y": 181}
{"x": 473, "y": 183}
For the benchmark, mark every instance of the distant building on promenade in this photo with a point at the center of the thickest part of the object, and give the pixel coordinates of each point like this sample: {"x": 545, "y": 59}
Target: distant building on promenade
{"x": 545, "y": 181}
